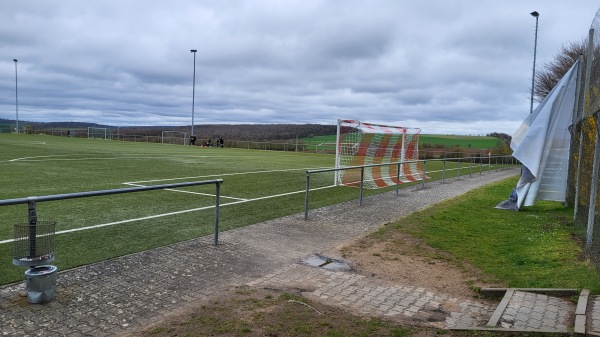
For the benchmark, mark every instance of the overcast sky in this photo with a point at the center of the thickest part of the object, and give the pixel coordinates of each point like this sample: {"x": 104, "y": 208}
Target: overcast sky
{"x": 449, "y": 67}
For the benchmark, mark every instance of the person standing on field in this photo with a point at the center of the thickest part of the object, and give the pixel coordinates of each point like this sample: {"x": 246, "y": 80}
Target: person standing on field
{"x": 221, "y": 141}
{"x": 193, "y": 140}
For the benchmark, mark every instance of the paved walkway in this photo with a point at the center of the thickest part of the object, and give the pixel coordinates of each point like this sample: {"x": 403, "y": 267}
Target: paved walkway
{"x": 122, "y": 295}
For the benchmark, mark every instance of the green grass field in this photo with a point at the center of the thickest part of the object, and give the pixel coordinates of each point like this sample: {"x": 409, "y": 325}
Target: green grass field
{"x": 257, "y": 186}
{"x": 472, "y": 142}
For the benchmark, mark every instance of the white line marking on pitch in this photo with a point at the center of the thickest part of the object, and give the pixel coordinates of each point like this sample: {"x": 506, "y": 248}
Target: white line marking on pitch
{"x": 174, "y": 213}
{"x": 190, "y": 192}
{"x": 215, "y": 175}
{"x": 52, "y": 158}
{"x": 29, "y": 158}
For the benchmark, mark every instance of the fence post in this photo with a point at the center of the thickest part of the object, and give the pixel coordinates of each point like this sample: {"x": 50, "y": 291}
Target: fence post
{"x": 577, "y": 182}
{"x": 306, "y": 195}
{"x": 480, "y": 164}
{"x": 217, "y": 198}
{"x": 592, "y": 202}
{"x": 578, "y": 90}
{"x": 458, "y": 172}
{"x": 588, "y": 71}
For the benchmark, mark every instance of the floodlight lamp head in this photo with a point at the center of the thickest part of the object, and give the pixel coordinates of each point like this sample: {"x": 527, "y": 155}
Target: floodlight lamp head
{"x": 535, "y": 14}
{"x": 193, "y": 50}
{"x": 15, "y": 60}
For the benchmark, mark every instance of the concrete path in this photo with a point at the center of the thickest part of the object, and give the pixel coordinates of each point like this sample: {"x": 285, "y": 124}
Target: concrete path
{"x": 123, "y": 295}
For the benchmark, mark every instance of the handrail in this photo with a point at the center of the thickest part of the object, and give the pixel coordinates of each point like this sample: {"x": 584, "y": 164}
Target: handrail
{"x": 74, "y": 195}
{"x": 31, "y": 201}
{"x": 362, "y": 168}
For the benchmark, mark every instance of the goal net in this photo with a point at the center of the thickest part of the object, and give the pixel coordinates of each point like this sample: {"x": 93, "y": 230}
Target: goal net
{"x": 98, "y": 133}
{"x": 174, "y": 137}
{"x": 360, "y": 143}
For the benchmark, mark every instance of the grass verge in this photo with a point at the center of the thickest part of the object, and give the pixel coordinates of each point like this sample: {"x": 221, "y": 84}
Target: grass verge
{"x": 534, "y": 248}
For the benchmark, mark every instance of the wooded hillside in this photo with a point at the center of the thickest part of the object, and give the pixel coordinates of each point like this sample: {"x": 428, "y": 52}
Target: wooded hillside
{"x": 253, "y": 132}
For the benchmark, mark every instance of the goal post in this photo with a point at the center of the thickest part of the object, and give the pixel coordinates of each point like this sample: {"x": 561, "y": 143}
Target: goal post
{"x": 359, "y": 143}
{"x": 174, "y": 137}
{"x": 98, "y": 133}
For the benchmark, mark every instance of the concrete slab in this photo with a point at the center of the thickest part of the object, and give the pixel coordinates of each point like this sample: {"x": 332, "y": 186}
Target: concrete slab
{"x": 500, "y": 309}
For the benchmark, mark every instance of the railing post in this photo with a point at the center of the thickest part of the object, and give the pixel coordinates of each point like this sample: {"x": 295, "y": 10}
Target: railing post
{"x": 306, "y": 195}
{"x": 217, "y": 198}
{"x": 444, "y": 172}
{"x": 424, "y": 173}
{"x": 480, "y": 164}
{"x": 471, "y": 167}
{"x": 397, "y": 178}
{"x": 362, "y": 177}
{"x": 32, "y": 215}
{"x": 458, "y": 172}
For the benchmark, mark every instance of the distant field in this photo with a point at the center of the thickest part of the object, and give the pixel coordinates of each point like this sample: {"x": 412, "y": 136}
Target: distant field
{"x": 473, "y": 142}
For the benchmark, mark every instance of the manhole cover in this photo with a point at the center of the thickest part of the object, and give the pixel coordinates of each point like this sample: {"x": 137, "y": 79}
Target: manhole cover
{"x": 325, "y": 262}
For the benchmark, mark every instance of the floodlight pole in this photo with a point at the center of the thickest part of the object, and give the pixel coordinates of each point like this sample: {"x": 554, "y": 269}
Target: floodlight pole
{"x": 193, "y": 90}
{"x": 16, "y": 96}
{"x": 536, "y": 16}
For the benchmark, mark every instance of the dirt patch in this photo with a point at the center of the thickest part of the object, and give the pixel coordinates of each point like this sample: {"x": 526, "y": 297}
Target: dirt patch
{"x": 401, "y": 258}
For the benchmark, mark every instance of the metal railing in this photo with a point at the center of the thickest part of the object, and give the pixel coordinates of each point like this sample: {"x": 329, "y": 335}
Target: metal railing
{"x": 499, "y": 161}
{"x": 31, "y": 201}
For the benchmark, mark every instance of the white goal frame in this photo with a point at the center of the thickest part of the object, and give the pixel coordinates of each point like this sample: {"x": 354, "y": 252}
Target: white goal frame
{"x": 174, "y": 137}
{"x": 98, "y": 133}
{"x": 367, "y": 144}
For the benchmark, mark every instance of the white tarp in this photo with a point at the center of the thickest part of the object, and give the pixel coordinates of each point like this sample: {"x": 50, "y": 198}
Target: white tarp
{"x": 542, "y": 142}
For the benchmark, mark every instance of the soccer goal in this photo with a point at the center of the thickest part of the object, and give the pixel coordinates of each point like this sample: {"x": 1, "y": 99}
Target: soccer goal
{"x": 98, "y": 133}
{"x": 360, "y": 143}
{"x": 174, "y": 137}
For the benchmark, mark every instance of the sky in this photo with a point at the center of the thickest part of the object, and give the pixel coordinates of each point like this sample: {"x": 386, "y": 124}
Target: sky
{"x": 448, "y": 67}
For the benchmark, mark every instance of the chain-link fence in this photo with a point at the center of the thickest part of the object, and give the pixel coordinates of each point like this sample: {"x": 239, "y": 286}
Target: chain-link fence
{"x": 585, "y": 148}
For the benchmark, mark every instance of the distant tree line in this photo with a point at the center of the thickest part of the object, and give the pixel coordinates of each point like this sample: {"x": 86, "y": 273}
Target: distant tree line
{"x": 246, "y": 132}
{"x": 506, "y": 138}
{"x": 250, "y": 132}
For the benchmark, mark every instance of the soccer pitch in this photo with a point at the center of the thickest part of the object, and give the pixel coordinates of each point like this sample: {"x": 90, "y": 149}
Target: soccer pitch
{"x": 257, "y": 186}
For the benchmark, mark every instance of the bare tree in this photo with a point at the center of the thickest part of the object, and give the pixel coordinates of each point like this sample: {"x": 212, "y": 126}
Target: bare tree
{"x": 553, "y": 71}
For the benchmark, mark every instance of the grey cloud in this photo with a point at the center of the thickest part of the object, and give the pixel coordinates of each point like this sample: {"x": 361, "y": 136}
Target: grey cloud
{"x": 444, "y": 66}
